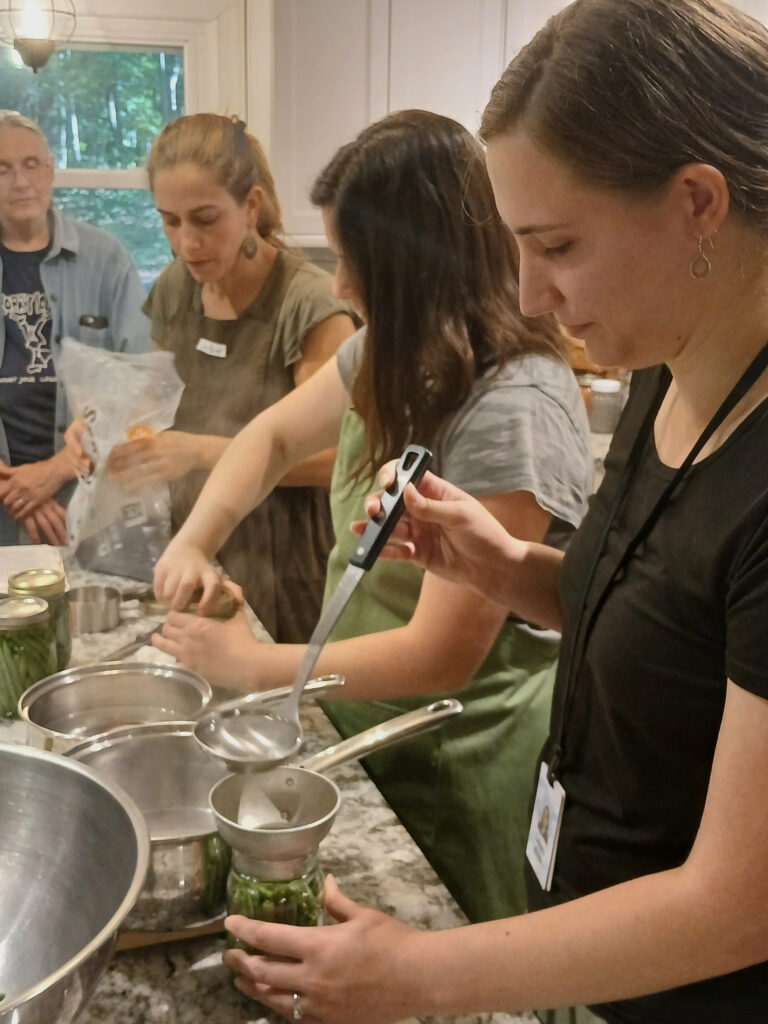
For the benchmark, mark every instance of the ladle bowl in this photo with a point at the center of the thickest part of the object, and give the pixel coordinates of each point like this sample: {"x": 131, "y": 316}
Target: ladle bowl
{"x": 252, "y": 737}
{"x": 233, "y": 731}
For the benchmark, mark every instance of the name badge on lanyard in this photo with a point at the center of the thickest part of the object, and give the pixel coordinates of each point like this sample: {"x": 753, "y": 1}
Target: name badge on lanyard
{"x": 544, "y": 833}
{"x": 212, "y": 348}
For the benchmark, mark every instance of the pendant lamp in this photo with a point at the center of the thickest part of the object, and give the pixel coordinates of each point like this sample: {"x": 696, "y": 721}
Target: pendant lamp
{"x": 36, "y": 27}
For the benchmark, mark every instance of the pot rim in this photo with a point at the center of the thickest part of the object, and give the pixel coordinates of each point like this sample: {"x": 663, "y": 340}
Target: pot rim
{"x": 70, "y": 676}
{"x": 109, "y": 929}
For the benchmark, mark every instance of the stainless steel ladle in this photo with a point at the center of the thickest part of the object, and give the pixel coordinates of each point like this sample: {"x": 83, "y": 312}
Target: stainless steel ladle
{"x": 256, "y": 738}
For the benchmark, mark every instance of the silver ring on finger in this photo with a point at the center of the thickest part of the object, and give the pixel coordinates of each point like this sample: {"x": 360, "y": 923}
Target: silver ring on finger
{"x": 297, "y": 1011}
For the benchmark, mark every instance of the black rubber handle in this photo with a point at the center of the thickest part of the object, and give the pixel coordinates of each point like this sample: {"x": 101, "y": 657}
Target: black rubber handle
{"x": 411, "y": 467}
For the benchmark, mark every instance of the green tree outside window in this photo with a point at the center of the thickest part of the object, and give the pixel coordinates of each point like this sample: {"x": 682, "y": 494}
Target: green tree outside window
{"x": 100, "y": 110}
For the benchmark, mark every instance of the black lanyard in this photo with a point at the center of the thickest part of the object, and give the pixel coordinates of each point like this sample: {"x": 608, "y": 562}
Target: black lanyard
{"x": 583, "y": 627}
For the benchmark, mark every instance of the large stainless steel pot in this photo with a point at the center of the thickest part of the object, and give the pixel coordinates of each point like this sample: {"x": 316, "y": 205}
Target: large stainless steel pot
{"x": 64, "y": 709}
{"x": 73, "y": 853}
{"x": 169, "y": 776}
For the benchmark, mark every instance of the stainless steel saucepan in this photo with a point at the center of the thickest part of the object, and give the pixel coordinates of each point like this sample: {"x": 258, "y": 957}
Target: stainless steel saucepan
{"x": 169, "y": 777}
{"x": 68, "y": 707}
{"x": 65, "y": 708}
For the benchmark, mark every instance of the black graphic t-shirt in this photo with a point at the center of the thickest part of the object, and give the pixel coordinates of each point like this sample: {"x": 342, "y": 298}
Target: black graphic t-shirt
{"x": 27, "y": 374}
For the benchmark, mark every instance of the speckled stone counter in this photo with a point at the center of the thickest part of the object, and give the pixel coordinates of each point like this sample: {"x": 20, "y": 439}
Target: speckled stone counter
{"x": 372, "y": 856}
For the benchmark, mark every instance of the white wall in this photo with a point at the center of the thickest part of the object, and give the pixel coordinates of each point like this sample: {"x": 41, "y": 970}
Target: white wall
{"x": 307, "y": 75}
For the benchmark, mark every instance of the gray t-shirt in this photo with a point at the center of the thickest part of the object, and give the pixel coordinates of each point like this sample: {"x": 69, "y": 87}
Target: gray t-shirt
{"x": 522, "y": 429}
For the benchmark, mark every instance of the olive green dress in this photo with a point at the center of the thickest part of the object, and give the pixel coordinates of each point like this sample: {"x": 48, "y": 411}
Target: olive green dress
{"x": 240, "y": 367}
{"x": 462, "y": 791}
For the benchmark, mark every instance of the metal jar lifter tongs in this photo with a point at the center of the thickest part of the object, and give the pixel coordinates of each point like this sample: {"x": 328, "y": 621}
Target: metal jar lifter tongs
{"x": 254, "y": 737}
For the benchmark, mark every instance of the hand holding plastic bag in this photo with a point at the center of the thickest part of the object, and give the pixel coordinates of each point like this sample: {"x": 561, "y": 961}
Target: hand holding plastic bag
{"x": 118, "y": 398}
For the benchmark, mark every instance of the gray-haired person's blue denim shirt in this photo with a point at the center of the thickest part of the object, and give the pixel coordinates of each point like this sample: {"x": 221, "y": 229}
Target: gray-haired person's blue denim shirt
{"x": 86, "y": 272}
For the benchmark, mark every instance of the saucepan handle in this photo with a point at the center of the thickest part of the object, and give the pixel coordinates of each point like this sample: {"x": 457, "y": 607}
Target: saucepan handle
{"x": 412, "y": 723}
{"x": 315, "y": 688}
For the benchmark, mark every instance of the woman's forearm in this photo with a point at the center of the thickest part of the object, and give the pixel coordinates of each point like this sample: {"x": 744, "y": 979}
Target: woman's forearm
{"x": 479, "y": 543}
{"x": 523, "y": 577}
{"x": 208, "y": 449}
{"x": 249, "y": 466}
{"x": 376, "y": 666}
{"x": 315, "y": 471}
{"x": 427, "y": 655}
{"x": 262, "y": 453}
{"x": 646, "y": 935}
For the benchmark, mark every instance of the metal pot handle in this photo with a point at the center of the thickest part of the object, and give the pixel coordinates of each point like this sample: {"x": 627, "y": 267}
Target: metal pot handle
{"x": 315, "y": 688}
{"x": 412, "y": 723}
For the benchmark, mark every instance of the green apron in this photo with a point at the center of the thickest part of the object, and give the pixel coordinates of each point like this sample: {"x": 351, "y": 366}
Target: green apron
{"x": 464, "y": 790}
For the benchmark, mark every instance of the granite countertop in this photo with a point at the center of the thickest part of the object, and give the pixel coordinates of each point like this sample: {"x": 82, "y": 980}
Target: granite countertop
{"x": 371, "y": 855}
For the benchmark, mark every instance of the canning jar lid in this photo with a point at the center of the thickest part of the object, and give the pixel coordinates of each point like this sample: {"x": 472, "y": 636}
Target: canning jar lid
{"x": 39, "y": 581}
{"x": 223, "y": 606}
{"x": 18, "y": 612}
{"x": 150, "y": 605}
{"x": 606, "y": 385}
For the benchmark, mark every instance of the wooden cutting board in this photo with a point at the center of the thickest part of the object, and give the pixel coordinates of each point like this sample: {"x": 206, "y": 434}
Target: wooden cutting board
{"x": 135, "y": 940}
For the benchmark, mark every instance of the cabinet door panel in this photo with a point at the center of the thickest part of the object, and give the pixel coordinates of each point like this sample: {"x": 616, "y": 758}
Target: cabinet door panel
{"x": 445, "y": 55}
{"x": 330, "y": 78}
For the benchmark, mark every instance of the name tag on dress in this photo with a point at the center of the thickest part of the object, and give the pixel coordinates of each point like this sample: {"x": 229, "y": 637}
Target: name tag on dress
{"x": 544, "y": 833}
{"x": 212, "y": 348}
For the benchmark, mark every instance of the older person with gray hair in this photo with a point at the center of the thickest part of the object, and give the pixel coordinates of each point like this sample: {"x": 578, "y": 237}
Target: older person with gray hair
{"x": 58, "y": 277}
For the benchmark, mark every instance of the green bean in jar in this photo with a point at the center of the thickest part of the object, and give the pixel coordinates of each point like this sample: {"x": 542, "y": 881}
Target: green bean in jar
{"x": 27, "y": 648}
{"x": 282, "y": 901}
{"x": 49, "y": 584}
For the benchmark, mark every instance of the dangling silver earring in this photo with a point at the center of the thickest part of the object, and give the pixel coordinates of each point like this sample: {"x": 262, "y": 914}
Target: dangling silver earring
{"x": 248, "y": 248}
{"x": 701, "y": 265}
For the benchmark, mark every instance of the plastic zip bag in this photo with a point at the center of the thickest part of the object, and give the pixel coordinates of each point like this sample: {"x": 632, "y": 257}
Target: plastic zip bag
{"x": 118, "y": 397}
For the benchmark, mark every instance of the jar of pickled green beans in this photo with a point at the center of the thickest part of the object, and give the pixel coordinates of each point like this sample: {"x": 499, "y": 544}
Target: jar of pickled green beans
{"x": 50, "y": 585}
{"x": 284, "y": 892}
{"x": 27, "y": 648}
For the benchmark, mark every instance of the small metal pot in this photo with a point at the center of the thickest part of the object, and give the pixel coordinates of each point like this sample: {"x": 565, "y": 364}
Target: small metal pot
{"x": 93, "y": 609}
{"x": 65, "y": 708}
{"x": 170, "y": 777}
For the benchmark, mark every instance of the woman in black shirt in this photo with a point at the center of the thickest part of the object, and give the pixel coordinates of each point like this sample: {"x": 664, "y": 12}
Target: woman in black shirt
{"x": 628, "y": 149}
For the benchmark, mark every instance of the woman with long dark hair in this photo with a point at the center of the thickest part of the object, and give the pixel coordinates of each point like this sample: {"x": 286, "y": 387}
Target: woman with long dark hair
{"x": 445, "y": 359}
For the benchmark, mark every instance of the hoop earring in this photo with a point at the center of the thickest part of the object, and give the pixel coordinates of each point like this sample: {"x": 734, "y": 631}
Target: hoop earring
{"x": 701, "y": 265}
{"x": 248, "y": 248}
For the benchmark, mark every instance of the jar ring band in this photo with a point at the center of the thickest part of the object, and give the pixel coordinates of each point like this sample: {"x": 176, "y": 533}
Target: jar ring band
{"x": 297, "y": 1011}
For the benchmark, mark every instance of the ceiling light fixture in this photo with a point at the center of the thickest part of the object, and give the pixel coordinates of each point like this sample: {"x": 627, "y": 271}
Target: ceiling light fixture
{"x": 36, "y": 27}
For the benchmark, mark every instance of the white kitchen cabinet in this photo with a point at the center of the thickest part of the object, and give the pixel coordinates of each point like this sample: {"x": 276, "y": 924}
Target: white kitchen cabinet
{"x": 337, "y": 65}
{"x": 329, "y": 80}
{"x": 444, "y": 55}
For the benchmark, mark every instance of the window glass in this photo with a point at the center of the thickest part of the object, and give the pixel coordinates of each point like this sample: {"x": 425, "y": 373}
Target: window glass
{"x": 129, "y": 215}
{"x": 98, "y": 108}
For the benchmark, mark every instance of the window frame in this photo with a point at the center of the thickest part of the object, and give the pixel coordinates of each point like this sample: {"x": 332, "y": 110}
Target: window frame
{"x": 198, "y": 42}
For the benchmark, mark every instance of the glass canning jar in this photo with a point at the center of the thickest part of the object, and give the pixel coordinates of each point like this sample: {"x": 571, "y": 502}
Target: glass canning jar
{"x": 285, "y": 892}
{"x": 50, "y": 585}
{"x": 27, "y": 648}
{"x": 605, "y": 405}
